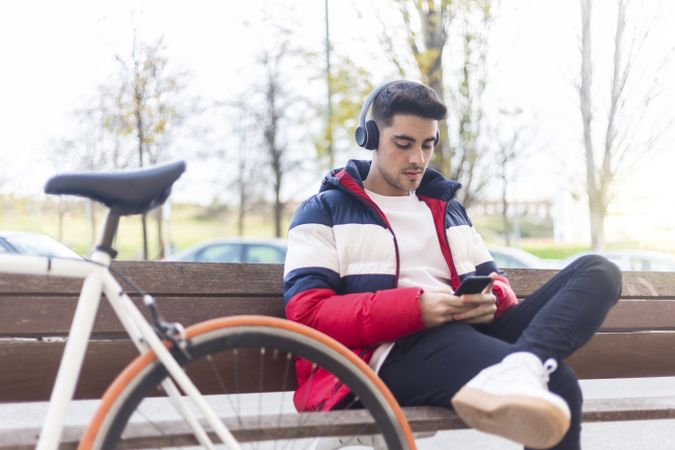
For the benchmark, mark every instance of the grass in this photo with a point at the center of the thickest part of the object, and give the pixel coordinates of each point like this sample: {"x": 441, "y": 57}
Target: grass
{"x": 552, "y": 250}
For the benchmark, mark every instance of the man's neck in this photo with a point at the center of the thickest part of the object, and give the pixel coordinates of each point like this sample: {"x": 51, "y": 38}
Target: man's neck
{"x": 380, "y": 186}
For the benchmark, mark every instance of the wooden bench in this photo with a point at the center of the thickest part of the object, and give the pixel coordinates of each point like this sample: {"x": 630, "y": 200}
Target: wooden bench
{"x": 636, "y": 340}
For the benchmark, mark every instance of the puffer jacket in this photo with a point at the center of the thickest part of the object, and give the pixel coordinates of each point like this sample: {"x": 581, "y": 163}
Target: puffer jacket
{"x": 342, "y": 266}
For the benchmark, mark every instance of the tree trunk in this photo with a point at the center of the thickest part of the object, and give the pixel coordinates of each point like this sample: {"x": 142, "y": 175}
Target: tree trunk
{"x": 595, "y": 195}
{"x": 278, "y": 205}
{"x": 597, "y": 217}
{"x": 442, "y": 155}
{"x": 91, "y": 209}
{"x": 329, "y": 93}
{"x": 430, "y": 64}
{"x": 144, "y": 216}
{"x": 275, "y": 151}
{"x": 139, "y": 97}
{"x": 241, "y": 213}
{"x": 61, "y": 213}
{"x": 160, "y": 232}
{"x": 505, "y": 214}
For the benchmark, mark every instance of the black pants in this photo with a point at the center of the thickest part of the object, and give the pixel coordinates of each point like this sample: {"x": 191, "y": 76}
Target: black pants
{"x": 429, "y": 367}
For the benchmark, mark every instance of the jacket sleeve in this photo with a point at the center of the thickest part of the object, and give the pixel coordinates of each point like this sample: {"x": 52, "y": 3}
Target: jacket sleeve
{"x": 313, "y": 288}
{"x": 485, "y": 264}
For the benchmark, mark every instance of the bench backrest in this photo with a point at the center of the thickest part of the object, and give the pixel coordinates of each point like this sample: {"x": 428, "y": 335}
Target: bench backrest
{"x": 35, "y": 313}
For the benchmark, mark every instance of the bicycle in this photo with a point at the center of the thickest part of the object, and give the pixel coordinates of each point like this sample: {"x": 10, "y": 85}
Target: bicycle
{"x": 168, "y": 352}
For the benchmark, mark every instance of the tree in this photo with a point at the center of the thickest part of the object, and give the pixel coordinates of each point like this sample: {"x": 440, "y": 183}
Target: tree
{"x": 427, "y": 25}
{"x": 510, "y": 150}
{"x": 467, "y": 99}
{"x": 246, "y": 157}
{"x": 429, "y": 36}
{"x": 633, "y": 122}
{"x": 349, "y": 85}
{"x": 144, "y": 103}
{"x": 89, "y": 151}
{"x": 275, "y": 107}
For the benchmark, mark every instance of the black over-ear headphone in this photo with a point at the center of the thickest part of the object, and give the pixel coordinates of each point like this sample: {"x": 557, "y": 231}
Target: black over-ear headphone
{"x": 367, "y": 135}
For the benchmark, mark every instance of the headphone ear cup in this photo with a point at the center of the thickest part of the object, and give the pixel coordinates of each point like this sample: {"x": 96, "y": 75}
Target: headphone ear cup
{"x": 373, "y": 135}
{"x": 360, "y": 136}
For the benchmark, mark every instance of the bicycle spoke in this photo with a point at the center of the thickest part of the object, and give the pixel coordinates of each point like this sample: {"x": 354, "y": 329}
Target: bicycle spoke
{"x": 260, "y": 383}
{"x": 223, "y": 387}
{"x": 301, "y": 422}
{"x": 284, "y": 387}
{"x": 235, "y": 354}
{"x": 152, "y": 423}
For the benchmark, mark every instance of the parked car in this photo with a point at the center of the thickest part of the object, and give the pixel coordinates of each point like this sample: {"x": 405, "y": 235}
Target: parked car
{"x": 629, "y": 260}
{"x": 34, "y": 244}
{"x": 246, "y": 250}
{"x": 515, "y": 258}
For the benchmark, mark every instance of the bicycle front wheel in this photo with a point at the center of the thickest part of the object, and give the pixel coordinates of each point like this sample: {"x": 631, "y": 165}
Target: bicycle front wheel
{"x": 245, "y": 357}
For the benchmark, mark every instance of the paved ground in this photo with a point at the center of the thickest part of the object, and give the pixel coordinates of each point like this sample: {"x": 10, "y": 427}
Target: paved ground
{"x": 638, "y": 435}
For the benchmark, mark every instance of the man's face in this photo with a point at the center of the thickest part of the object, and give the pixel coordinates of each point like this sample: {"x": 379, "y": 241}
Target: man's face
{"x": 403, "y": 153}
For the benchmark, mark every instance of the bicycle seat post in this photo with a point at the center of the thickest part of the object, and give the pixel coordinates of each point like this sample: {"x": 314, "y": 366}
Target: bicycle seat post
{"x": 108, "y": 234}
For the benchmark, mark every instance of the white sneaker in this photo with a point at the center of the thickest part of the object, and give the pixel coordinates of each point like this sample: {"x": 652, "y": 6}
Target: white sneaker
{"x": 511, "y": 399}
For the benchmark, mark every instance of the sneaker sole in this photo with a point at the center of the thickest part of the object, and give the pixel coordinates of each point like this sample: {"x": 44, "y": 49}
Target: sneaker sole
{"x": 530, "y": 421}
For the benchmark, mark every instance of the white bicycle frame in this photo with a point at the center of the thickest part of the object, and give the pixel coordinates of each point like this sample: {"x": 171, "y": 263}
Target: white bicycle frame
{"x": 97, "y": 280}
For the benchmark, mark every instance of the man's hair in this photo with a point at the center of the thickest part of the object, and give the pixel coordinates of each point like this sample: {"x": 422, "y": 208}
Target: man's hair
{"x": 407, "y": 97}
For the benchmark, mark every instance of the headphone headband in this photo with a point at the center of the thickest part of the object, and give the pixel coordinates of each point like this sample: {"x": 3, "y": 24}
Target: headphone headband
{"x": 363, "y": 138}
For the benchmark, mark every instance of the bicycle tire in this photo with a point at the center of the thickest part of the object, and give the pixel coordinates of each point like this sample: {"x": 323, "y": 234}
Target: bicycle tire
{"x": 208, "y": 340}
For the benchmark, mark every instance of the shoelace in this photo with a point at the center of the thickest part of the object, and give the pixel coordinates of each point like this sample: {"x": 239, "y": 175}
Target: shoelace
{"x": 550, "y": 365}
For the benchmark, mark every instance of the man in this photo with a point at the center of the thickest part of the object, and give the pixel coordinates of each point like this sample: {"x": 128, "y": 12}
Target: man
{"x": 373, "y": 261}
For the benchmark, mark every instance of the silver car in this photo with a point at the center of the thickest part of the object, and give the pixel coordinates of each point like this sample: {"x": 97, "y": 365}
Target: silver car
{"x": 629, "y": 260}
{"x": 515, "y": 258}
{"x": 236, "y": 250}
{"x": 33, "y": 244}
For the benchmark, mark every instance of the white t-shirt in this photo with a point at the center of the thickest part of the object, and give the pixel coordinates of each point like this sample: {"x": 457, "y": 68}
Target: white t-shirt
{"x": 421, "y": 262}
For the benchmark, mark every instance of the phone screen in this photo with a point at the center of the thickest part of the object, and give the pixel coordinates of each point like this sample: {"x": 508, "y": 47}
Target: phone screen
{"x": 473, "y": 285}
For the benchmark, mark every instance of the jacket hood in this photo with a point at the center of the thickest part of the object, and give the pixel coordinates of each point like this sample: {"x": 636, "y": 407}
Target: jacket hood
{"x": 350, "y": 178}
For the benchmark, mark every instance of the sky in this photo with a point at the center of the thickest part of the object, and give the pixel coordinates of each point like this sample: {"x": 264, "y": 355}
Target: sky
{"x": 54, "y": 54}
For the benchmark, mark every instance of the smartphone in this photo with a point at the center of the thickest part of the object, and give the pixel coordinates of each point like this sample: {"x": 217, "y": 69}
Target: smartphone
{"x": 473, "y": 285}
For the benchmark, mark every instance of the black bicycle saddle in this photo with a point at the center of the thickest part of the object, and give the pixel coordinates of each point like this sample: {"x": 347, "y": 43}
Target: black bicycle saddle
{"x": 125, "y": 192}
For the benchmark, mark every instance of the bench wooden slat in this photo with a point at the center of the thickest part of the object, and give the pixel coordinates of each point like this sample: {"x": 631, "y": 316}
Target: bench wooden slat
{"x": 343, "y": 423}
{"x": 626, "y": 355}
{"x": 176, "y": 278}
{"x": 641, "y": 314}
{"x": 29, "y": 367}
{"x": 165, "y": 278}
{"x": 635, "y": 284}
{"x": 52, "y": 316}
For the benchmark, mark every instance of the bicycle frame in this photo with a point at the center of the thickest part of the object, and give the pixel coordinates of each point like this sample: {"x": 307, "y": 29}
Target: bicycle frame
{"x": 98, "y": 280}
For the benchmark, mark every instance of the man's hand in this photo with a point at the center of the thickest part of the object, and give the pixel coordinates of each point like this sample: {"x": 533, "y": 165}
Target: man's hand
{"x": 483, "y": 308}
{"x": 440, "y": 307}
